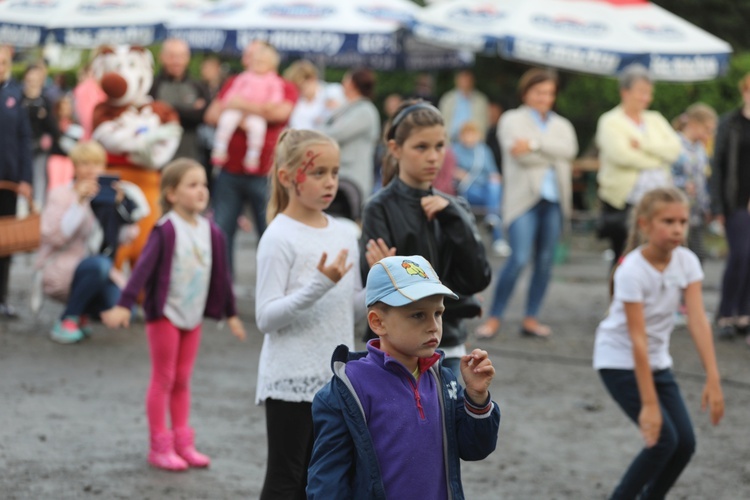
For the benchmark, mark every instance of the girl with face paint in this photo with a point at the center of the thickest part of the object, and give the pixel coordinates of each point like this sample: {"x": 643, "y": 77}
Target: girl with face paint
{"x": 307, "y": 301}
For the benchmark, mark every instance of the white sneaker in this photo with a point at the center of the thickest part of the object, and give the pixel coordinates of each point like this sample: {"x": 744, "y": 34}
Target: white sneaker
{"x": 500, "y": 248}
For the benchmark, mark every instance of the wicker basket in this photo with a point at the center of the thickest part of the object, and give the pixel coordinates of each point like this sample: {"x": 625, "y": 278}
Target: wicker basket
{"x": 19, "y": 234}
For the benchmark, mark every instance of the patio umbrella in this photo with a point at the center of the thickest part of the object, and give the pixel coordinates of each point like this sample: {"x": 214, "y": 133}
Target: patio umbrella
{"x": 589, "y": 36}
{"x": 336, "y": 32}
{"x": 89, "y": 23}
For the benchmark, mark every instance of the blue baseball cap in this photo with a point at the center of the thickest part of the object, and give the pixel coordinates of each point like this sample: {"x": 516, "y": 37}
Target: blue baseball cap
{"x": 398, "y": 281}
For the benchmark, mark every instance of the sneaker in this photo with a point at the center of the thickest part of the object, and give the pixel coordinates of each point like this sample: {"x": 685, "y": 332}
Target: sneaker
{"x": 7, "y": 311}
{"x": 726, "y": 332}
{"x": 84, "y": 324}
{"x": 66, "y": 331}
{"x": 500, "y": 248}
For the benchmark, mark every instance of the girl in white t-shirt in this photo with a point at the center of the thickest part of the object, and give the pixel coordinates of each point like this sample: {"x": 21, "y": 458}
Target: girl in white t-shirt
{"x": 631, "y": 350}
{"x": 307, "y": 303}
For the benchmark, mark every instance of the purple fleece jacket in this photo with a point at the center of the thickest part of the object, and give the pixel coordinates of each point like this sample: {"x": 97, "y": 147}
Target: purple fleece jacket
{"x": 154, "y": 266}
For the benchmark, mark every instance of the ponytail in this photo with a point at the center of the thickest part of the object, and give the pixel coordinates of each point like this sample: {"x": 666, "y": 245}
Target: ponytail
{"x": 646, "y": 209}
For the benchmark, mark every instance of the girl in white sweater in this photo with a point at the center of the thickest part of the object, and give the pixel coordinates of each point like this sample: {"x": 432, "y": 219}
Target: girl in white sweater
{"x": 307, "y": 302}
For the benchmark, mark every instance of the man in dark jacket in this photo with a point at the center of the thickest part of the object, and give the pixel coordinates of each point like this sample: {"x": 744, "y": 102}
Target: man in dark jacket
{"x": 15, "y": 159}
{"x": 187, "y": 96}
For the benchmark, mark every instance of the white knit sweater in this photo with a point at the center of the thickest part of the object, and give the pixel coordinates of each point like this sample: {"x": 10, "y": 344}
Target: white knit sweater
{"x": 303, "y": 314}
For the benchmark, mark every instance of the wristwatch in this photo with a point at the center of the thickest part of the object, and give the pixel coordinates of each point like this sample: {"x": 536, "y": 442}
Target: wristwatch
{"x": 534, "y": 145}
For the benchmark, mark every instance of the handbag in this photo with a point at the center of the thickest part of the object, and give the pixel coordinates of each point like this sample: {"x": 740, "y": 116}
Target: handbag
{"x": 19, "y": 234}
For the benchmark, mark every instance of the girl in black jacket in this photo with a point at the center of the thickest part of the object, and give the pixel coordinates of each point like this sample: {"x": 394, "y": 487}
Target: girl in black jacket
{"x": 408, "y": 216}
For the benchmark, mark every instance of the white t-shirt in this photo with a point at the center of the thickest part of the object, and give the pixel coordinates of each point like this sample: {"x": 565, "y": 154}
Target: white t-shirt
{"x": 191, "y": 272}
{"x": 303, "y": 314}
{"x": 636, "y": 280}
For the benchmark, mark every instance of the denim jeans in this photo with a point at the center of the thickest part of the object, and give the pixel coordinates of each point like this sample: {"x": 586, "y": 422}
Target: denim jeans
{"x": 735, "y": 287}
{"x": 535, "y": 231}
{"x": 490, "y": 197}
{"x": 654, "y": 470}
{"x": 92, "y": 291}
{"x": 230, "y": 194}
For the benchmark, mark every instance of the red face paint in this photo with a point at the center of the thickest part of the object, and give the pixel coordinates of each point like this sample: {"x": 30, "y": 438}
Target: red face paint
{"x": 301, "y": 176}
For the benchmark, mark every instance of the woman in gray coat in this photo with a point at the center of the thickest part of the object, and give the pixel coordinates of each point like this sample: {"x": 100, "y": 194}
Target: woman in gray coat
{"x": 356, "y": 127}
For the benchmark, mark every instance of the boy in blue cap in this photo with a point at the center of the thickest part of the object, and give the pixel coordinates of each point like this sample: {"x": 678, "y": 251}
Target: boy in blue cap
{"x": 393, "y": 423}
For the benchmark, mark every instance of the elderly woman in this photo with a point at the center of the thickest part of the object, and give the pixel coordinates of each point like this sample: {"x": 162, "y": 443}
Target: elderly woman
{"x": 636, "y": 150}
{"x": 356, "y": 127}
{"x": 538, "y": 146}
{"x": 731, "y": 205}
{"x": 80, "y": 228}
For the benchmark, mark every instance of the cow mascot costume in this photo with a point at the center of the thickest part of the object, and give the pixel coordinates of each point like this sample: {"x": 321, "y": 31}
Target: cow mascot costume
{"x": 139, "y": 134}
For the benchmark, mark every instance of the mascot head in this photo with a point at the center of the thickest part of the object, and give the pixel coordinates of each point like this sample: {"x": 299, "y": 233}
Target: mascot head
{"x": 125, "y": 74}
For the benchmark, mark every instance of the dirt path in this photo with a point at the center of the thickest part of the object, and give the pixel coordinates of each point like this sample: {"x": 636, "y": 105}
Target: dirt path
{"x": 72, "y": 423}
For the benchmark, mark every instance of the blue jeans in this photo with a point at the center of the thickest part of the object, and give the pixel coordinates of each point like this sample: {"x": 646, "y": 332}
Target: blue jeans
{"x": 735, "y": 286}
{"x": 654, "y": 470}
{"x": 230, "y": 194}
{"x": 92, "y": 291}
{"x": 537, "y": 230}
{"x": 490, "y": 197}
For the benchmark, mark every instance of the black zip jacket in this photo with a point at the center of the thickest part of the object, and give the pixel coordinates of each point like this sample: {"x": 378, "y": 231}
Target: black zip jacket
{"x": 450, "y": 242}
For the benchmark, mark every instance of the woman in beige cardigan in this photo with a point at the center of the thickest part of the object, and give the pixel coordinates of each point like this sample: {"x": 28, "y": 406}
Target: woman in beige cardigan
{"x": 636, "y": 150}
{"x": 538, "y": 146}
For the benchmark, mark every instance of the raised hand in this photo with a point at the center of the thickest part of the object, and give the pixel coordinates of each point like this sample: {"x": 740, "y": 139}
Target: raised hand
{"x": 433, "y": 204}
{"x": 378, "y": 250}
{"x": 477, "y": 372}
{"x": 338, "y": 268}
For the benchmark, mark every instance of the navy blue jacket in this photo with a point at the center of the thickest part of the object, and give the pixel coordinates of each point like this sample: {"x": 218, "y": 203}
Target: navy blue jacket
{"x": 15, "y": 135}
{"x": 344, "y": 464}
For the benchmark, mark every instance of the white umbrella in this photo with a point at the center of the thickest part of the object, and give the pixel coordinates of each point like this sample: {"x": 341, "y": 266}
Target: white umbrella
{"x": 343, "y": 33}
{"x": 89, "y": 23}
{"x": 591, "y": 36}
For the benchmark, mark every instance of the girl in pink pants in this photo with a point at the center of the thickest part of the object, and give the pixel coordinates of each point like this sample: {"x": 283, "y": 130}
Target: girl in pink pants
{"x": 184, "y": 273}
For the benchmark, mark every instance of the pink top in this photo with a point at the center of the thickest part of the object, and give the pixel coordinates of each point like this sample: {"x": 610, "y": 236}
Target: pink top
{"x": 256, "y": 88}
{"x": 86, "y": 95}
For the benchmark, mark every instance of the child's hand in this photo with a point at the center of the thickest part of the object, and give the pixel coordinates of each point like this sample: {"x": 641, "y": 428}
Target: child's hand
{"x": 433, "y": 204}
{"x": 378, "y": 250}
{"x": 338, "y": 269}
{"x": 116, "y": 317}
{"x": 236, "y": 327}
{"x": 649, "y": 421}
{"x": 477, "y": 372}
{"x": 713, "y": 398}
{"x": 86, "y": 189}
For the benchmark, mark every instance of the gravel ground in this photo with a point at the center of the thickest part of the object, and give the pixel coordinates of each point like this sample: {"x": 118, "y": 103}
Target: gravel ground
{"x": 73, "y": 423}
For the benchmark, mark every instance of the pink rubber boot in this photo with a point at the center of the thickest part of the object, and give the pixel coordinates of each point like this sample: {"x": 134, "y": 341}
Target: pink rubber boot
{"x": 162, "y": 454}
{"x": 184, "y": 446}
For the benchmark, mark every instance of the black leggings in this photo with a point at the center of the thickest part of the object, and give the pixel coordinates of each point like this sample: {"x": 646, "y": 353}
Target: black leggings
{"x": 289, "y": 429}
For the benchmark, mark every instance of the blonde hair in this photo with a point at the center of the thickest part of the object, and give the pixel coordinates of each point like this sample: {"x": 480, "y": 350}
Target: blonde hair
{"x": 647, "y": 208}
{"x": 88, "y": 151}
{"x": 698, "y": 112}
{"x": 171, "y": 176}
{"x": 289, "y": 155}
{"x": 300, "y": 71}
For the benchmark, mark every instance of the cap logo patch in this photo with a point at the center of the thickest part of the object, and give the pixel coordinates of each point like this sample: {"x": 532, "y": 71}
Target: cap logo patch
{"x": 413, "y": 269}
